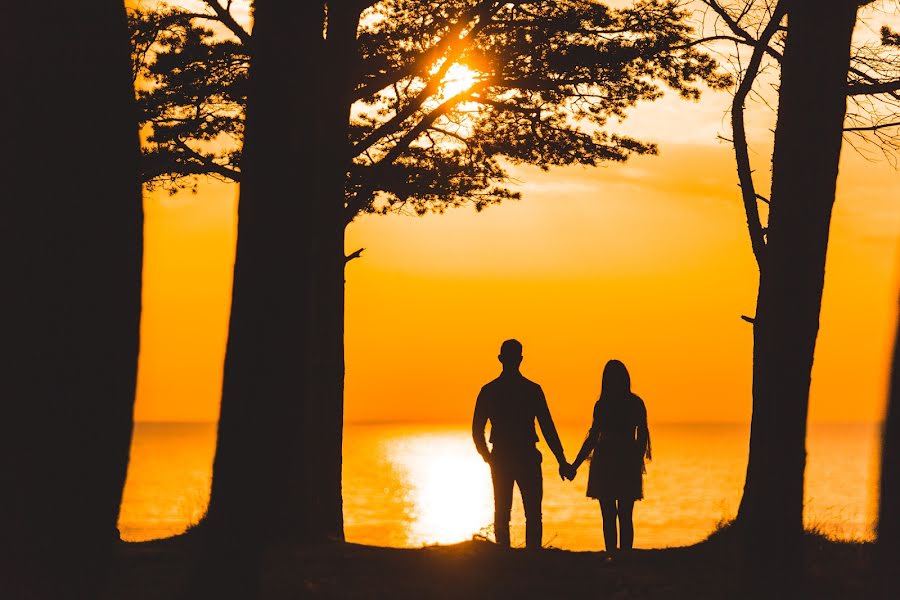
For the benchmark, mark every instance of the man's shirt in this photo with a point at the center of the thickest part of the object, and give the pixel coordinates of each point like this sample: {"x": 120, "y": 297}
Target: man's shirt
{"x": 512, "y": 403}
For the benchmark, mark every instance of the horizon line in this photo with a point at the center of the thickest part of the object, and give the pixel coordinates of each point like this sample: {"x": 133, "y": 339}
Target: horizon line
{"x": 466, "y": 422}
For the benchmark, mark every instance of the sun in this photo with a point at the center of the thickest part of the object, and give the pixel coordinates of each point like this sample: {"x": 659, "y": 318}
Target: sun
{"x": 459, "y": 78}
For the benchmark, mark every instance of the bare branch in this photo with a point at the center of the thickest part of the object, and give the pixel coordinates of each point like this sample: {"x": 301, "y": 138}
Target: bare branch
{"x": 355, "y": 254}
{"x": 744, "y": 36}
{"x": 873, "y": 127}
{"x": 742, "y": 157}
{"x": 873, "y": 87}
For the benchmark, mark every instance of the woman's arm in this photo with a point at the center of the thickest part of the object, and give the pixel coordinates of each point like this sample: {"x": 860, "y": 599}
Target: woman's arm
{"x": 643, "y": 431}
{"x": 589, "y": 441}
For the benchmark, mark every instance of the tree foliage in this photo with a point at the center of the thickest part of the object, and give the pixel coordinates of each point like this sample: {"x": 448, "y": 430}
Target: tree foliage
{"x": 447, "y": 93}
{"x": 889, "y": 38}
{"x": 192, "y": 90}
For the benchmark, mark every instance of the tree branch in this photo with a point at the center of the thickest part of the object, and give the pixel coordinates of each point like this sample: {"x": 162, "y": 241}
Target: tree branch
{"x": 355, "y": 254}
{"x": 741, "y": 153}
{"x": 873, "y": 127}
{"x": 743, "y": 34}
{"x": 873, "y": 87}
{"x": 224, "y": 16}
{"x": 454, "y": 49}
{"x": 426, "y": 59}
{"x": 209, "y": 164}
{"x": 403, "y": 144}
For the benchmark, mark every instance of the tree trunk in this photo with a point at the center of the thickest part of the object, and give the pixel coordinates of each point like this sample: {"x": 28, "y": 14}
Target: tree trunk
{"x": 889, "y": 506}
{"x": 257, "y": 492}
{"x": 811, "y": 108}
{"x": 277, "y": 471}
{"x": 71, "y": 250}
{"x": 324, "y": 408}
{"x": 325, "y": 308}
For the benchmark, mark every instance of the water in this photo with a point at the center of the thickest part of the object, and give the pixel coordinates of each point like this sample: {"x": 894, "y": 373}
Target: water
{"x": 412, "y": 485}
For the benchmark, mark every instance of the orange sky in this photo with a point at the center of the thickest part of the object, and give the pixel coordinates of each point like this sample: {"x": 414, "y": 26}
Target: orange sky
{"x": 646, "y": 261}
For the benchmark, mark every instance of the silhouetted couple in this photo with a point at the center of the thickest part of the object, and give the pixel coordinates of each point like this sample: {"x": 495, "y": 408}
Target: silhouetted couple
{"x": 617, "y": 442}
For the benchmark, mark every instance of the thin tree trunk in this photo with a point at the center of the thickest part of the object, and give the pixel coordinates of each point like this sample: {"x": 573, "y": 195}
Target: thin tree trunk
{"x": 71, "y": 256}
{"x": 325, "y": 310}
{"x": 257, "y": 492}
{"x": 889, "y": 506}
{"x": 324, "y": 410}
{"x": 812, "y": 104}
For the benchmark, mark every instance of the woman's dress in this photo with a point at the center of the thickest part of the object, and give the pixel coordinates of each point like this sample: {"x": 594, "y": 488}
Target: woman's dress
{"x": 621, "y": 439}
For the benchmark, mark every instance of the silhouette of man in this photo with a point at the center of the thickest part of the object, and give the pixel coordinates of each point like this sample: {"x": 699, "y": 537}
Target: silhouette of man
{"x": 511, "y": 403}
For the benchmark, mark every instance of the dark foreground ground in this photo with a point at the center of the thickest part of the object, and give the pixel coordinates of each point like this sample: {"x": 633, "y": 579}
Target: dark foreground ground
{"x": 477, "y": 569}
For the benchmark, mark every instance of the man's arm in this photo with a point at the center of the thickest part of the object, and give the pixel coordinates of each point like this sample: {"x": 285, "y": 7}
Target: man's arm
{"x": 479, "y": 422}
{"x": 549, "y": 429}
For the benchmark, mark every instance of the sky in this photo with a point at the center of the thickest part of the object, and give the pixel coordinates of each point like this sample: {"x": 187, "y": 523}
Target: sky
{"x": 647, "y": 261}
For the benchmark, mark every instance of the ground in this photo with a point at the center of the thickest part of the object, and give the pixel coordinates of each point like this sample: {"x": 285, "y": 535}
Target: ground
{"x": 478, "y": 569}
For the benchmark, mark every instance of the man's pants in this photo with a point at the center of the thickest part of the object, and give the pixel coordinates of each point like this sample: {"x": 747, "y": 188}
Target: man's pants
{"x": 525, "y": 470}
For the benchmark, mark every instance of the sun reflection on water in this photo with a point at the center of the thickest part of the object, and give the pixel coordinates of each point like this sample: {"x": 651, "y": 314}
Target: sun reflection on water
{"x": 448, "y": 487}
{"x": 411, "y": 485}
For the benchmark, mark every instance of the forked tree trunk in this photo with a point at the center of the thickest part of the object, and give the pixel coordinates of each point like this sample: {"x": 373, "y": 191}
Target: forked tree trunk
{"x": 71, "y": 256}
{"x": 811, "y": 108}
{"x": 889, "y": 501}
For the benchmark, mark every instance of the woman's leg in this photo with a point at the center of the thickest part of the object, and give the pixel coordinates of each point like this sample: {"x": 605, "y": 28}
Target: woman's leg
{"x": 608, "y": 510}
{"x": 626, "y": 525}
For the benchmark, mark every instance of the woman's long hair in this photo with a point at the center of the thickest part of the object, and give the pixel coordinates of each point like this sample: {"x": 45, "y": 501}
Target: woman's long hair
{"x": 617, "y": 404}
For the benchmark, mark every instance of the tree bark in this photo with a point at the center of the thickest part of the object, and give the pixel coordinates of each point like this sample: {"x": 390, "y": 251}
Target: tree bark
{"x": 277, "y": 472}
{"x": 325, "y": 308}
{"x": 811, "y": 109}
{"x": 257, "y": 495}
{"x": 889, "y": 501}
{"x": 71, "y": 256}
{"x": 325, "y": 382}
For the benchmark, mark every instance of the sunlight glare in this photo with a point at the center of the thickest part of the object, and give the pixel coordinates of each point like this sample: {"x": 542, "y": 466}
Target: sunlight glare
{"x": 449, "y": 488}
{"x": 458, "y": 79}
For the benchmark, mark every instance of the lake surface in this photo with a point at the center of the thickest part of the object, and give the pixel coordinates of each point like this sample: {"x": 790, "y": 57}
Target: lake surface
{"x": 412, "y": 485}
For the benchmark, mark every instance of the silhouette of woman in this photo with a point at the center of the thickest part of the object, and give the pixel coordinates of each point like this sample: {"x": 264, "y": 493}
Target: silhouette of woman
{"x": 618, "y": 441}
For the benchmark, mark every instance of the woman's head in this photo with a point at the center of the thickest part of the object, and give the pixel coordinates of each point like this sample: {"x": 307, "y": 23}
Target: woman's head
{"x": 616, "y": 380}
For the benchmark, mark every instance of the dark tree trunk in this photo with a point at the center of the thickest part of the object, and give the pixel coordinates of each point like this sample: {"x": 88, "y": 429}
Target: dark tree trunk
{"x": 811, "y": 108}
{"x": 71, "y": 257}
{"x": 324, "y": 408}
{"x": 257, "y": 494}
{"x": 889, "y": 505}
{"x": 277, "y": 472}
{"x": 325, "y": 310}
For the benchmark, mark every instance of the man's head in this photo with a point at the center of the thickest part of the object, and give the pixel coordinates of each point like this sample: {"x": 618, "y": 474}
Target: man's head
{"x": 510, "y": 354}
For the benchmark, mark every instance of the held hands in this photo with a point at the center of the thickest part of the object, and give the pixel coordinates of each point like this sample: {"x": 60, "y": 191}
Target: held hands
{"x": 567, "y": 471}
